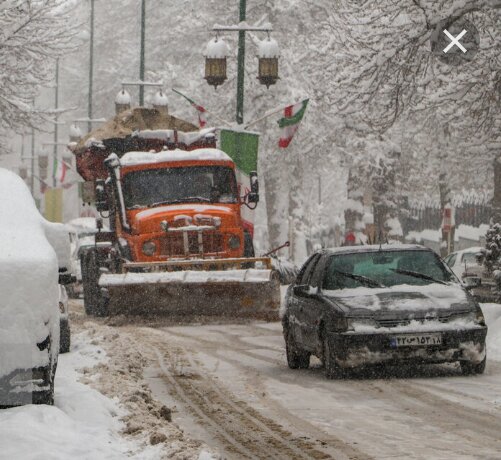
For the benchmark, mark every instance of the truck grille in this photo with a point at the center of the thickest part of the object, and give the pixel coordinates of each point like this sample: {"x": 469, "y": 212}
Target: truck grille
{"x": 443, "y": 317}
{"x": 190, "y": 243}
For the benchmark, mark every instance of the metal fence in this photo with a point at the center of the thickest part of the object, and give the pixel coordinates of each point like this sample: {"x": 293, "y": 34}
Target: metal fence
{"x": 470, "y": 209}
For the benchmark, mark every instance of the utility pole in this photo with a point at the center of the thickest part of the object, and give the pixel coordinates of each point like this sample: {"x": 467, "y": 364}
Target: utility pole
{"x": 91, "y": 65}
{"x": 142, "y": 55}
{"x": 56, "y": 106}
{"x": 241, "y": 65}
{"x": 32, "y": 179}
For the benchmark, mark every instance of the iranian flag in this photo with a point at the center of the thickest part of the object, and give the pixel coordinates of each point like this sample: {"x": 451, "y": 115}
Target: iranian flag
{"x": 202, "y": 112}
{"x": 293, "y": 114}
{"x": 60, "y": 169}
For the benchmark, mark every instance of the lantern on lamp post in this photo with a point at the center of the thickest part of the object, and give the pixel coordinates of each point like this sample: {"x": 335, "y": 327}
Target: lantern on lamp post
{"x": 215, "y": 62}
{"x": 268, "y": 54}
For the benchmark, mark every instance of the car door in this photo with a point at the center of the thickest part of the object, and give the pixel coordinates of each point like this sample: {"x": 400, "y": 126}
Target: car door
{"x": 312, "y": 307}
{"x": 302, "y": 302}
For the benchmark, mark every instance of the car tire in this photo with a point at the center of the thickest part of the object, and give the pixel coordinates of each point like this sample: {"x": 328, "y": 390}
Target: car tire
{"x": 46, "y": 397}
{"x": 296, "y": 358}
{"x": 94, "y": 302}
{"x": 331, "y": 368}
{"x": 469, "y": 368}
{"x": 65, "y": 339}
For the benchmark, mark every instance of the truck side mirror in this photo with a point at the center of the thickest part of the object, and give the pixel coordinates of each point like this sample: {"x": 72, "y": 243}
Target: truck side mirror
{"x": 101, "y": 196}
{"x": 253, "y": 196}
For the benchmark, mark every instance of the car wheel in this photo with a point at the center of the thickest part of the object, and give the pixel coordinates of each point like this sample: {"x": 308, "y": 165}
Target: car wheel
{"x": 94, "y": 302}
{"x": 331, "y": 368}
{"x": 296, "y": 358}
{"x": 65, "y": 339}
{"x": 469, "y": 368}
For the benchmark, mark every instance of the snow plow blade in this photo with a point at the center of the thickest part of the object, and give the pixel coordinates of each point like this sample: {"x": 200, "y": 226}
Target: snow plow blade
{"x": 226, "y": 287}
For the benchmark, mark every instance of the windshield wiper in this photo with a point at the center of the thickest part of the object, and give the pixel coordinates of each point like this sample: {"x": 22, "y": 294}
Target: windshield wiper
{"x": 417, "y": 275}
{"x": 181, "y": 200}
{"x": 363, "y": 279}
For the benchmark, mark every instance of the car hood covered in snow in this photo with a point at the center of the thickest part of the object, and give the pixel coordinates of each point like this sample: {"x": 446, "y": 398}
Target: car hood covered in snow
{"x": 28, "y": 279}
{"x": 401, "y": 298}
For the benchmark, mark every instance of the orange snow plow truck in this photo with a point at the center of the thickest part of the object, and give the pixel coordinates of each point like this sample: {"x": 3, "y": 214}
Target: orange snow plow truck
{"x": 177, "y": 244}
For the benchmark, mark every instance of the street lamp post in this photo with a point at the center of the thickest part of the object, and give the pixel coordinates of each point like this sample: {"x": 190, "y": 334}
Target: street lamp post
{"x": 142, "y": 52}
{"x": 91, "y": 65}
{"x": 215, "y": 69}
{"x": 56, "y": 106}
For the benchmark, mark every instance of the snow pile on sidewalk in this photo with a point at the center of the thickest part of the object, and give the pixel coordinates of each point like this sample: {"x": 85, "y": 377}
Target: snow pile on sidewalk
{"x": 492, "y": 313}
{"x": 83, "y": 424}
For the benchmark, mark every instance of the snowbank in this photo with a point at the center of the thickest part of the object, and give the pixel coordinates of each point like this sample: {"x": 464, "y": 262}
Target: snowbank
{"x": 28, "y": 279}
{"x": 83, "y": 424}
{"x": 492, "y": 313}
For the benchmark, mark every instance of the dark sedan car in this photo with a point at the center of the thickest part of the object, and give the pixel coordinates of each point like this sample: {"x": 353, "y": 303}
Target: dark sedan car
{"x": 364, "y": 305}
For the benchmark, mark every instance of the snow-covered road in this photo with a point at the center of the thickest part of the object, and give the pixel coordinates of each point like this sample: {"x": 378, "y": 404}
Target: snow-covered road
{"x": 229, "y": 386}
{"x": 228, "y": 390}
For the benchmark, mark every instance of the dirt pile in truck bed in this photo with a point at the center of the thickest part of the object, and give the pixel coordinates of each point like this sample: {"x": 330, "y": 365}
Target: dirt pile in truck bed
{"x": 136, "y": 119}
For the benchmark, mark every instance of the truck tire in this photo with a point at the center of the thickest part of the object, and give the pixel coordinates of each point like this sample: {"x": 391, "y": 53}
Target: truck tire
{"x": 94, "y": 302}
{"x": 248, "y": 245}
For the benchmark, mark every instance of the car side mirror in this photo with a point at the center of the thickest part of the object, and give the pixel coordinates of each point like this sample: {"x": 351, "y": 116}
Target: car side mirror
{"x": 253, "y": 196}
{"x": 101, "y": 196}
{"x": 301, "y": 290}
{"x": 67, "y": 278}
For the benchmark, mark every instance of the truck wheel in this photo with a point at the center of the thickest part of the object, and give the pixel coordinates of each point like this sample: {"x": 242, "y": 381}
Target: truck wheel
{"x": 248, "y": 245}
{"x": 468, "y": 368}
{"x": 296, "y": 358}
{"x": 94, "y": 302}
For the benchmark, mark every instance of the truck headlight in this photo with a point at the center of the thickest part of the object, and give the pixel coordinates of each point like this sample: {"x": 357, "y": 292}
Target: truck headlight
{"x": 149, "y": 248}
{"x": 234, "y": 242}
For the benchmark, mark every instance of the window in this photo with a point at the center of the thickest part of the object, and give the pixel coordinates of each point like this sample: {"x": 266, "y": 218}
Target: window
{"x": 304, "y": 276}
{"x": 150, "y": 187}
{"x": 390, "y": 268}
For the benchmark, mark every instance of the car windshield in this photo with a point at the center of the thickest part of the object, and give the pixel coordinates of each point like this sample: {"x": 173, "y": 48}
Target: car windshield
{"x": 152, "y": 187}
{"x": 471, "y": 258}
{"x": 384, "y": 268}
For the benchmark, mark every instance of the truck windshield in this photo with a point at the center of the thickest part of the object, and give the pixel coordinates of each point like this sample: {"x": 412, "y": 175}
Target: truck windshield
{"x": 152, "y": 187}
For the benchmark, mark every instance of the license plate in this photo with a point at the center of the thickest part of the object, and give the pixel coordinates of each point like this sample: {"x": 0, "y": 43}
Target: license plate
{"x": 415, "y": 340}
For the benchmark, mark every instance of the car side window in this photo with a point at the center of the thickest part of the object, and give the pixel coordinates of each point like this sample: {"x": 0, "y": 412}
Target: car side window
{"x": 304, "y": 276}
{"x": 318, "y": 272}
{"x": 451, "y": 260}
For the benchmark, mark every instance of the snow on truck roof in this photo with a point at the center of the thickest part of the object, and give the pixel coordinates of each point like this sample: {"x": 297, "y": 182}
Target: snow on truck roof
{"x": 141, "y": 158}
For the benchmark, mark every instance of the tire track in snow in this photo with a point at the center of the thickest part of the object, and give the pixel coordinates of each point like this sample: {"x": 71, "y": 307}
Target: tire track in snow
{"x": 243, "y": 428}
{"x": 211, "y": 347}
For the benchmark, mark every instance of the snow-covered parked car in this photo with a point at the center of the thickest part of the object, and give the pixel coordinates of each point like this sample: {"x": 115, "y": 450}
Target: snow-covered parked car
{"x": 468, "y": 266}
{"x": 32, "y": 252}
{"x": 365, "y": 305}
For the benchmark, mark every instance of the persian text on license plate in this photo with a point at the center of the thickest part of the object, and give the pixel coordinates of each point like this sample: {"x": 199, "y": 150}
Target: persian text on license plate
{"x": 415, "y": 340}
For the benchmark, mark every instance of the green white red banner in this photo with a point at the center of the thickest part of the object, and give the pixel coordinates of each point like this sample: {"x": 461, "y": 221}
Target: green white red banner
{"x": 293, "y": 114}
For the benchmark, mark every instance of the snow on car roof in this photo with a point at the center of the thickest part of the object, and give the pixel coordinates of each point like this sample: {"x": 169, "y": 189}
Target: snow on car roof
{"x": 140, "y": 158}
{"x": 376, "y": 248}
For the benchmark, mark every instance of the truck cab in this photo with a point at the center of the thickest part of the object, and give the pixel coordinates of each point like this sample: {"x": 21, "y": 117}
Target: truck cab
{"x": 177, "y": 204}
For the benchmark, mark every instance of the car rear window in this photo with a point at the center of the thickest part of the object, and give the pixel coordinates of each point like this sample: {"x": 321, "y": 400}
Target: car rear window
{"x": 382, "y": 268}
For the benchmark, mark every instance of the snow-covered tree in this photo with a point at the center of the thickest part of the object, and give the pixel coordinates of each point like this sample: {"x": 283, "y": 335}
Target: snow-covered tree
{"x": 33, "y": 33}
